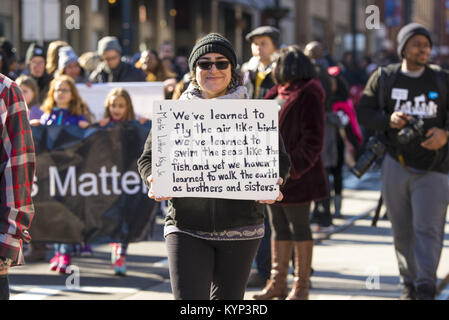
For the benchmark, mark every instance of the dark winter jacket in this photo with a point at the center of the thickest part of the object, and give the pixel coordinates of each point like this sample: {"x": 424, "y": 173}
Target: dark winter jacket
{"x": 211, "y": 215}
{"x": 249, "y": 71}
{"x": 301, "y": 123}
{"x": 425, "y": 97}
{"x": 123, "y": 73}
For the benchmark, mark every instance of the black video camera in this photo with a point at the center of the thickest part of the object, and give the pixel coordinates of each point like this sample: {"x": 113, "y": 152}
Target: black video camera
{"x": 414, "y": 129}
{"x": 374, "y": 149}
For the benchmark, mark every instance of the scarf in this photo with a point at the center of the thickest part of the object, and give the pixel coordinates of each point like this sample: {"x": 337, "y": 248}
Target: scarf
{"x": 285, "y": 90}
{"x": 193, "y": 92}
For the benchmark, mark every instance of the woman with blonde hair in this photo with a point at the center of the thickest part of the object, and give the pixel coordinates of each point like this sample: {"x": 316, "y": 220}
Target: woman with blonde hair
{"x": 53, "y": 56}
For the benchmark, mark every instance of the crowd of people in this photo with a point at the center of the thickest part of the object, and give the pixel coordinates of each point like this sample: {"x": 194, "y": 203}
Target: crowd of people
{"x": 321, "y": 103}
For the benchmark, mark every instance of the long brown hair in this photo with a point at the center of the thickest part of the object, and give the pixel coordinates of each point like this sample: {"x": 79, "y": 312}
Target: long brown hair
{"x": 77, "y": 106}
{"x": 120, "y": 92}
{"x": 53, "y": 55}
{"x": 28, "y": 81}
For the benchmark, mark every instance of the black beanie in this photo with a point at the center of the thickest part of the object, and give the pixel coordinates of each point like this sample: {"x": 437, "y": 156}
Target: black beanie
{"x": 34, "y": 50}
{"x": 409, "y": 31}
{"x": 212, "y": 43}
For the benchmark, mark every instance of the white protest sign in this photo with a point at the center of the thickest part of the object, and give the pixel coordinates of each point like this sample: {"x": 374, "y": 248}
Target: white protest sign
{"x": 142, "y": 95}
{"x": 227, "y": 149}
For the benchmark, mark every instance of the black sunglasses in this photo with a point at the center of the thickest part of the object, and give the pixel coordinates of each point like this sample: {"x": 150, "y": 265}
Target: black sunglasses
{"x": 207, "y": 65}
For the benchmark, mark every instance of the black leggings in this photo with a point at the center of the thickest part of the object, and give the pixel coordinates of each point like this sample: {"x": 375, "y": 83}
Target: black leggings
{"x": 290, "y": 223}
{"x": 4, "y": 287}
{"x": 204, "y": 269}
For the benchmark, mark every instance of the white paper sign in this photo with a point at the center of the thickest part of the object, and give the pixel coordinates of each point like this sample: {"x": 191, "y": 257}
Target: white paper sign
{"x": 142, "y": 95}
{"x": 226, "y": 149}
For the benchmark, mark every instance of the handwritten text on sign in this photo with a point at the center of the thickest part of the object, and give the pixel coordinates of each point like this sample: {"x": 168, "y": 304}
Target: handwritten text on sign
{"x": 225, "y": 149}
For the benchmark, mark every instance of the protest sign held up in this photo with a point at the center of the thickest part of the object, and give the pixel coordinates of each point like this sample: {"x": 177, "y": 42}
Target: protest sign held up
{"x": 226, "y": 149}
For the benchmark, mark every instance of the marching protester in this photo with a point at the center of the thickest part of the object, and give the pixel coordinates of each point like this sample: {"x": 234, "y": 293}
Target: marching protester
{"x": 68, "y": 64}
{"x": 349, "y": 137}
{"x": 89, "y": 61}
{"x": 258, "y": 80}
{"x": 17, "y": 209}
{"x": 257, "y": 71}
{"x": 113, "y": 69}
{"x": 321, "y": 214}
{"x": 119, "y": 108}
{"x": 407, "y": 105}
{"x": 35, "y": 61}
{"x": 150, "y": 63}
{"x": 8, "y": 59}
{"x": 4, "y": 64}
{"x": 63, "y": 106}
{"x": 30, "y": 93}
{"x": 204, "y": 264}
{"x": 52, "y": 61}
{"x": 301, "y": 124}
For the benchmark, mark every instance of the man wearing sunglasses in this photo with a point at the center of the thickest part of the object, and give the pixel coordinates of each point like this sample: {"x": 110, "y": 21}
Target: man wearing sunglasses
{"x": 257, "y": 79}
{"x": 113, "y": 69}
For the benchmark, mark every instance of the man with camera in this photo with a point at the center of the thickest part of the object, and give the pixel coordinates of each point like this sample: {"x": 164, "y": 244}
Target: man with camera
{"x": 407, "y": 105}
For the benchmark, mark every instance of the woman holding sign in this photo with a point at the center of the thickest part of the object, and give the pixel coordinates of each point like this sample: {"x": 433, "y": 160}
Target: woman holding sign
{"x": 208, "y": 262}
{"x": 301, "y": 124}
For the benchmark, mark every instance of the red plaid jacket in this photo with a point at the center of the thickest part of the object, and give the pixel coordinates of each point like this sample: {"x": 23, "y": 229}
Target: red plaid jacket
{"x": 17, "y": 165}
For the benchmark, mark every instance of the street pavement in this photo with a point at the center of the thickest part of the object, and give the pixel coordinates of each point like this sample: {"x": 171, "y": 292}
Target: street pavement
{"x": 357, "y": 262}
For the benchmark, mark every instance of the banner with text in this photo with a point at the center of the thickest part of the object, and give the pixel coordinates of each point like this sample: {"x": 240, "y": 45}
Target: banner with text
{"x": 226, "y": 149}
{"x": 87, "y": 187}
{"x": 142, "y": 95}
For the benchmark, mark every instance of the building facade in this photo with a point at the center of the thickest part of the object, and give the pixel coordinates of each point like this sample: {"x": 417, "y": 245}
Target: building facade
{"x": 141, "y": 24}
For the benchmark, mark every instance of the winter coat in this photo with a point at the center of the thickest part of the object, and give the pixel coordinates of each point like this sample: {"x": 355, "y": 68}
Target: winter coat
{"x": 211, "y": 215}
{"x": 301, "y": 123}
{"x": 123, "y": 73}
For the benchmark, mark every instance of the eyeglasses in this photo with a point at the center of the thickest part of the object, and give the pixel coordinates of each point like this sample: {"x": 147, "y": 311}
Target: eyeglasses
{"x": 62, "y": 90}
{"x": 207, "y": 65}
{"x": 117, "y": 57}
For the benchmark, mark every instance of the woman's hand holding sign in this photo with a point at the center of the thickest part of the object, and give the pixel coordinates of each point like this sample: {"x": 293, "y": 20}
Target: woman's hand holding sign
{"x": 278, "y": 199}
{"x": 151, "y": 194}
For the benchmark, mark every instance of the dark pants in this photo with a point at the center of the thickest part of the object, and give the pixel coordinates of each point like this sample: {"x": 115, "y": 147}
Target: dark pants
{"x": 290, "y": 223}
{"x": 263, "y": 256}
{"x": 4, "y": 287}
{"x": 204, "y": 269}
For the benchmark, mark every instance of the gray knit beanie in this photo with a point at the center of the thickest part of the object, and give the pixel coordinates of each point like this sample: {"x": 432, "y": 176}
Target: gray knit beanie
{"x": 66, "y": 56}
{"x": 108, "y": 43}
{"x": 212, "y": 43}
{"x": 409, "y": 31}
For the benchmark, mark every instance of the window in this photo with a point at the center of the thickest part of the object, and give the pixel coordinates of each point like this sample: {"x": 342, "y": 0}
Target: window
{"x": 94, "y": 5}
